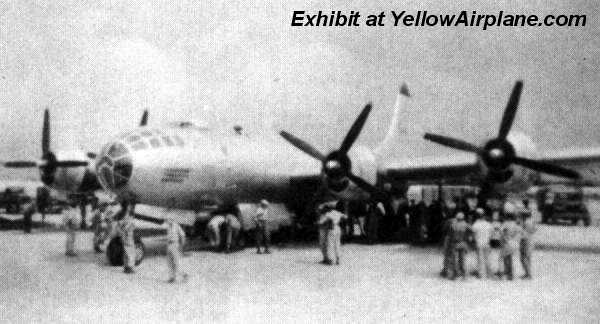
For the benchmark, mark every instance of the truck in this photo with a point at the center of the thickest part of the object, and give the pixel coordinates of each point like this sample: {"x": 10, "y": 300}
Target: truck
{"x": 12, "y": 199}
{"x": 562, "y": 203}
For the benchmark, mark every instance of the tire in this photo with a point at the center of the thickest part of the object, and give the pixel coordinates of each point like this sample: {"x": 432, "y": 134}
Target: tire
{"x": 586, "y": 221}
{"x": 116, "y": 253}
{"x": 575, "y": 221}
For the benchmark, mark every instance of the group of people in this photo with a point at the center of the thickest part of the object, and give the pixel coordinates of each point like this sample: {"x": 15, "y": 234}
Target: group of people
{"x": 506, "y": 231}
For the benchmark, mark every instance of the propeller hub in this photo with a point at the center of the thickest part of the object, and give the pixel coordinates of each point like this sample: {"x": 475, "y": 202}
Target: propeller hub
{"x": 498, "y": 154}
{"x": 336, "y": 166}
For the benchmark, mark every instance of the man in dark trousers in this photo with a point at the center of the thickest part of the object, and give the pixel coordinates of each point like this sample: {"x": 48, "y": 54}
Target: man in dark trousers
{"x": 460, "y": 232}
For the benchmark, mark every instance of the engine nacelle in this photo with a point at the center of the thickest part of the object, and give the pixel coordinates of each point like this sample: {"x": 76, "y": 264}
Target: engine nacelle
{"x": 364, "y": 165}
{"x": 74, "y": 179}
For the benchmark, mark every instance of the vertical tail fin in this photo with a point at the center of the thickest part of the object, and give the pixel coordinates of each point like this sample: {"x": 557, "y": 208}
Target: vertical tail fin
{"x": 396, "y": 129}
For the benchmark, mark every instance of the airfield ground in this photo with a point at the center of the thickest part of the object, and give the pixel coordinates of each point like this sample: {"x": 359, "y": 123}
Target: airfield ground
{"x": 380, "y": 283}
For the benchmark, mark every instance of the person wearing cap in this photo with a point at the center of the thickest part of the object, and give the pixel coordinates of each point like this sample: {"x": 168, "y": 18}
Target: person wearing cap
{"x": 526, "y": 246}
{"x": 175, "y": 243}
{"x": 262, "y": 233}
{"x": 482, "y": 231}
{"x": 459, "y": 236}
{"x": 511, "y": 237}
{"x": 70, "y": 224}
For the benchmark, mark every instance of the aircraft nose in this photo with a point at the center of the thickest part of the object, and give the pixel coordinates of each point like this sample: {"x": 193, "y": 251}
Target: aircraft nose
{"x": 114, "y": 167}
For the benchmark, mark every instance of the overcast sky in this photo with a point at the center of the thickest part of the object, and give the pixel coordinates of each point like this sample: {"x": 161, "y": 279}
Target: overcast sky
{"x": 97, "y": 66}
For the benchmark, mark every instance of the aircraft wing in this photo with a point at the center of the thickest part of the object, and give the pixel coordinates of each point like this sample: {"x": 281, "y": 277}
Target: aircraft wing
{"x": 458, "y": 168}
{"x": 586, "y": 161}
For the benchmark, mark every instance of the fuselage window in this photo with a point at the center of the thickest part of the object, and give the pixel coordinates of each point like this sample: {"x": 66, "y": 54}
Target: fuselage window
{"x": 133, "y": 138}
{"x": 168, "y": 141}
{"x": 154, "y": 142}
{"x": 141, "y": 145}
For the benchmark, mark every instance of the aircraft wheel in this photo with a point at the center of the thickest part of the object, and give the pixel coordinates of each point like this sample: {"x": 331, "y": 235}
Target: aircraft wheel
{"x": 115, "y": 252}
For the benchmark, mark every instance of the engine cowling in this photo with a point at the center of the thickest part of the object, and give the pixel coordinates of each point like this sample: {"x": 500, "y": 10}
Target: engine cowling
{"x": 362, "y": 163}
{"x": 505, "y": 176}
{"x": 71, "y": 179}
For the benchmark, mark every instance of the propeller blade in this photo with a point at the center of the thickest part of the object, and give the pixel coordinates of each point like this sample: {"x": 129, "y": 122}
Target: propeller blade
{"x": 46, "y": 133}
{"x": 546, "y": 168}
{"x": 364, "y": 185}
{"x": 303, "y": 146}
{"x": 144, "y": 120}
{"x": 452, "y": 142}
{"x": 511, "y": 110}
{"x": 355, "y": 129}
{"x": 91, "y": 155}
{"x": 20, "y": 164}
{"x": 70, "y": 164}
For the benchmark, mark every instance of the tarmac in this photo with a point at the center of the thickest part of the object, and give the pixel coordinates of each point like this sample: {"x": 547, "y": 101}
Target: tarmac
{"x": 374, "y": 283}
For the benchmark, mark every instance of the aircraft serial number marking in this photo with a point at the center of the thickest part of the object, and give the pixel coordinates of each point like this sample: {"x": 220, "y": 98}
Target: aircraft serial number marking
{"x": 175, "y": 175}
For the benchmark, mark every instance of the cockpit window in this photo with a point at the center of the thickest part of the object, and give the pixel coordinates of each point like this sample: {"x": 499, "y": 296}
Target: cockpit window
{"x": 117, "y": 150}
{"x": 141, "y": 145}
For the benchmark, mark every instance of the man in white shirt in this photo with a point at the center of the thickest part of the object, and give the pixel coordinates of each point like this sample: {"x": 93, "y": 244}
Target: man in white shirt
{"x": 334, "y": 234}
{"x": 482, "y": 230}
{"x": 175, "y": 242}
{"x": 71, "y": 217}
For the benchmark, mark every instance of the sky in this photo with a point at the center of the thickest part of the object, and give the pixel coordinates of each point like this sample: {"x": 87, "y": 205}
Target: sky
{"x": 98, "y": 64}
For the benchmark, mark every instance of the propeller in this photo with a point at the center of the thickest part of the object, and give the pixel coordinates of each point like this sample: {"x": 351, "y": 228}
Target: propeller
{"x": 48, "y": 163}
{"x": 499, "y": 153}
{"x": 336, "y": 165}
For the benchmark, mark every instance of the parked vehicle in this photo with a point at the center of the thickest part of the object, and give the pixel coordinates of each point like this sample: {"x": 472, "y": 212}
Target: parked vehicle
{"x": 563, "y": 204}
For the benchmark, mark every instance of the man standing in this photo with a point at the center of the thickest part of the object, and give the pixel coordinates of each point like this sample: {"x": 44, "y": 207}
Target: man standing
{"x": 333, "y": 216}
{"x": 98, "y": 227}
{"x": 511, "y": 237}
{"x": 28, "y": 212}
{"x": 526, "y": 247}
{"x": 459, "y": 238}
{"x": 233, "y": 227}
{"x": 324, "y": 224}
{"x": 175, "y": 243}
{"x": 482, "y": 230}
{"x": 448, "y": 266}
{"x": 126, "y": 230}
{"x": 262, "y": 232}
{"x": 213, "y": 228}
{"x": 70, "y": 223}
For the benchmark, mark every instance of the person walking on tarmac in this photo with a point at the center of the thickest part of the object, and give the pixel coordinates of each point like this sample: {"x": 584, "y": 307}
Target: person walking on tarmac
{"x": 70, "y": 224}
{"x": 262, "y": 232}
{"x": 526, "y": 247}
{"x": 175, "y": 243}
{"x": 126, "y": 232}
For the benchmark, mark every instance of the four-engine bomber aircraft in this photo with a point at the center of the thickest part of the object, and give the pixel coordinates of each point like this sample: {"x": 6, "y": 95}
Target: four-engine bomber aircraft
{"x": 195, "y": 167}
